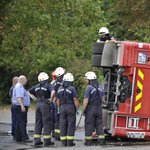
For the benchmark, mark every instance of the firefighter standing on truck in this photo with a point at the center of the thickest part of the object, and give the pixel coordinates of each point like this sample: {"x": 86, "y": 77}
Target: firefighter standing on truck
{"x": 59, "y": 75}
{"x": 68, "y": 102}
{"x": 44, "y": 93}
{"x": 105, "y": 37}
{"x": 92, "y": 104}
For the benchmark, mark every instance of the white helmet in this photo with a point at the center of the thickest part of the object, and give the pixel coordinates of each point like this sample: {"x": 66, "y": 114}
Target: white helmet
{"x": 103, "y": 30}
{"x": 59, "y": 71}
{"x": 90, "y": 75}
{"x": 68, "y": 77}
{"x": 42, "y": 76}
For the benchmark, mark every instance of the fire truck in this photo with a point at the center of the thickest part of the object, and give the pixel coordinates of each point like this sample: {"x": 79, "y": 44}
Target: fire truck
{"x": 126, "y": 84}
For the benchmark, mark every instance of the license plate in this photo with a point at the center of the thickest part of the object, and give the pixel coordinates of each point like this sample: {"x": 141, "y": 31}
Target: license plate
{"x": 139, "y": 135}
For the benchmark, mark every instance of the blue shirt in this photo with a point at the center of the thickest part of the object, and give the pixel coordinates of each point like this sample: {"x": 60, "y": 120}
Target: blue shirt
{"x": 91, "y": 92}
{"x": 70, "y": 91}
{"x": 20, "y": 91}
{"x": 105, "y": 39}
{"x": 46, "y": 90}
{"x": 11, "y": 92}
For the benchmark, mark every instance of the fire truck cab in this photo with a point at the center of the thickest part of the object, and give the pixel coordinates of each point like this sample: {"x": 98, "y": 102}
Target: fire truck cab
{"x": 126, "y": 84}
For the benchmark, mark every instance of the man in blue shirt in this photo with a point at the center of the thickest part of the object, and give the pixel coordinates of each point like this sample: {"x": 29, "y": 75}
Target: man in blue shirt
{"x": 92, "y": 104}
{"x": 105, "y": 37}
{"x": 68, "y": 102}
{"x": 13, "y": 115}
{"x": 21, "y": 102}
{"x": 44, "y": 93}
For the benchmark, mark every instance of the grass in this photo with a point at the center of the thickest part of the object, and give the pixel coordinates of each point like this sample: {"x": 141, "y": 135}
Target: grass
{"x": 7, "y": 107}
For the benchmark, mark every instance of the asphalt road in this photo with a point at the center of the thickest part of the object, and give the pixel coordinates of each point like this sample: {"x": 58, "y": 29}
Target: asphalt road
{"x": 7, "y": 143}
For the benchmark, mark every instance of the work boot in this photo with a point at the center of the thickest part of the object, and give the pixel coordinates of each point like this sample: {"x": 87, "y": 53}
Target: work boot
{"x": 48, "y": 142}
{"x": 101, "y": 142}
{"x": 88, "y": 142}
{"x": 70, "y": 143}
{"x": 57, "y": 137}
{"x": 64, "y": 142}
{"x": 37, "y": 141}
{"x": 53, "y": 131}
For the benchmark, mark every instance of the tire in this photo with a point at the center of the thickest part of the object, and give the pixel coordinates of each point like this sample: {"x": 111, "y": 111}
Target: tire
{"x": 96, "y": 60}
{"x": 98, "y": 48}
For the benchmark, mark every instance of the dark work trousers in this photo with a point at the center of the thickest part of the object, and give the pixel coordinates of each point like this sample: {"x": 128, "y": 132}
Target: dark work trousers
{"x": 53, "y": 113}
{"x": 21, "y": 133}
{"x": 42, "y": 120}
{"x": 57, "y": 125}
{"x": 67, "y": 123}
{"x": 93, "y": 118}
{"x": 13, "y": 120}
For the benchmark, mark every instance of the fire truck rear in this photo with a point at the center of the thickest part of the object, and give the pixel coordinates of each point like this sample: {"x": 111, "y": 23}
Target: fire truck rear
{"x": 126, "y": 84}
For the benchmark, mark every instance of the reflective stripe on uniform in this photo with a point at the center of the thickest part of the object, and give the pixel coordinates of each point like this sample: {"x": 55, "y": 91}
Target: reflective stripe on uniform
{"x": 57, "y": 131}
{"x": 88, "y": 137}
{"x": 37, "y": 135}
{"x": 63, "y": 137}
{"x": 70, "y": 137}
{"x": 46, "y": 136}
{"x": 101, "y": 136}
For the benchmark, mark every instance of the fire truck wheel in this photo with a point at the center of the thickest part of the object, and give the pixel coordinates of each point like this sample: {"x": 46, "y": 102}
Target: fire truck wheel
{"x": 96, "y": 60}
{"x": 97, "y": 48}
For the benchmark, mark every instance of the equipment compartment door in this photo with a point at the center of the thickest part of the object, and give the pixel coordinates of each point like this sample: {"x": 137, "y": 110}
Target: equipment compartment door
{"x": 141, "y": 96}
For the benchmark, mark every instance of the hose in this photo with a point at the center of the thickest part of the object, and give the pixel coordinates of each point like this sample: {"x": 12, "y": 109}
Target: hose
{"x": 79, "y": 121}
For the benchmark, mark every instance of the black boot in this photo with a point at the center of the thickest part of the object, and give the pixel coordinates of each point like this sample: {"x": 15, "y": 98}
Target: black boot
{"x": 53, "y": 131}
{"x": 101, "y": 142}
{"x": 37, "y": 141}
{"x": 64, "y": 142}
{"x": 70, "y": 143}
{"x": 48, "y": 142}
{"x": 88, "y": 142}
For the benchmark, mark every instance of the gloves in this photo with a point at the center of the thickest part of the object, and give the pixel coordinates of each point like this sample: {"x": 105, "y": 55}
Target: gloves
{"x": 58, "y": 110}
{"x": 83, "y": 112}
{"x": 34, "y": 99}
{"x": 49, "y": 100}
{"x": 107, "y": 41}
{"x": 78, "y": 111}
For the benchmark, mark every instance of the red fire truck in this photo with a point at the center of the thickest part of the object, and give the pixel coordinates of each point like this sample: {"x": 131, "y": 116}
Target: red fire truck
{"x": 126, "y": 84}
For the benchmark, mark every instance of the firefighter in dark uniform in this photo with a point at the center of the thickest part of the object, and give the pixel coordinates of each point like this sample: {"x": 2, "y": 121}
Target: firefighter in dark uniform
{"x": 59, "y": 75}
{"x": 52, "y": 106}
{"x": 92, "y": 103}
{"x": 68, "y": 102}
{"x": 44, "y": 93}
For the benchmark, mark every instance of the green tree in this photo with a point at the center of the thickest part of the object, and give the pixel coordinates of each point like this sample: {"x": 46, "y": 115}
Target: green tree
{"x": 128, "y": 17}
{"x": 40, "y": 35}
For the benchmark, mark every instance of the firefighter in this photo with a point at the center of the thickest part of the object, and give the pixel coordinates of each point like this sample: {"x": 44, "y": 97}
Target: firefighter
{"x": 105, "y": 37}
{"x": 68, "y": 102}
{"x": 52, "y": 106}
{"x": 92, "y": 103}
{"x": 59, "y": 75}
{"x": 44, "y": 93}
